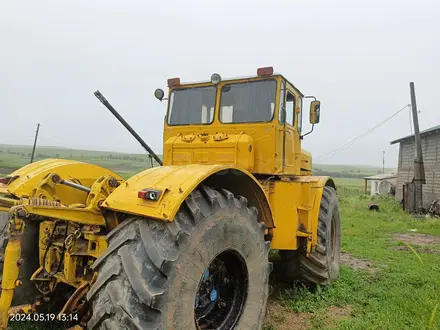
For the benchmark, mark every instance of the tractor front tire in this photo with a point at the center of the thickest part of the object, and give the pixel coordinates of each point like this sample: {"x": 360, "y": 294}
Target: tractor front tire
{"x": 208, "y": 269}
{"x": 322, "y": 266}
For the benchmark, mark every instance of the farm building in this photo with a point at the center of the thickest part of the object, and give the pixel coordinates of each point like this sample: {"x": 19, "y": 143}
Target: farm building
{"x": 381, "y": 184}
{"x": 431, "y": 158}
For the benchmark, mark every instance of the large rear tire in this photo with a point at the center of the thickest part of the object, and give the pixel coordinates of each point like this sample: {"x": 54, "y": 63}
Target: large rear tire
{"x": 322, "y": 266}
{"x": 207, "y": 269}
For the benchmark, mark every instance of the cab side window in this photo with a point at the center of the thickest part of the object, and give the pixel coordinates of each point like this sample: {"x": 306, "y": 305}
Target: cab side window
{"x": 290, "y": 109}
{"x": 281, "y": 108}
{"x": 300, "y": 101}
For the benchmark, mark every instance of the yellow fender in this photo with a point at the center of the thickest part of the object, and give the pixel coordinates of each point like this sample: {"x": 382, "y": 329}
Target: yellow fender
{"x": 27, "y": 180}
{"x": 311, "y": 196}
{"x": 176, "y": 182}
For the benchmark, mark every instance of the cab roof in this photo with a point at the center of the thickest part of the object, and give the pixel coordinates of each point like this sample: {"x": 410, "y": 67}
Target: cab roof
{"x": 205, "y": 82}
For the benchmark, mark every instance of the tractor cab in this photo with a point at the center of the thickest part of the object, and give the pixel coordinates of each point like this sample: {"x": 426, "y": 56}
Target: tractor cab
{"x": 253, "y": 122}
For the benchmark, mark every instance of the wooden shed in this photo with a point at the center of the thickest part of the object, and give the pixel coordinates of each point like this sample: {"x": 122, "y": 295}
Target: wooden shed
{"x": 431, "y": 158}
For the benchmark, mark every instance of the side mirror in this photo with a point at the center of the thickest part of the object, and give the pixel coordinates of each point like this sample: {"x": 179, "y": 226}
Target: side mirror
{"x": 315, "y": 108}
{"x": 159, "y": 94}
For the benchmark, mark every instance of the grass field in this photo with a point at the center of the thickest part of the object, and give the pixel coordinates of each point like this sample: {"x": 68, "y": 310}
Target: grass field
{"x": 355, "y": 169}
{"x": 13, "y": 157}
{"x": 390, "y": 274}
{"x": 383, "y": 283}
{"x": 350, "y": 183}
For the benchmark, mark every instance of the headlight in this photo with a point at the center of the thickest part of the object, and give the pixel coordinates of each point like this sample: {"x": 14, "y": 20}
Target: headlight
{"x": 215, "y": 78}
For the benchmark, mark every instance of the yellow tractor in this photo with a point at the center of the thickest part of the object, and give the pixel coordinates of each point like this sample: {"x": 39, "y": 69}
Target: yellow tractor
{"x": 183, "y": 245}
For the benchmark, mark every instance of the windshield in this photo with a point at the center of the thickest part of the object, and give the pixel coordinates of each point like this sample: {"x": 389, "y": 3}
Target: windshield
{"x": 248, "y": 102}
{"x": 192, "y": 106}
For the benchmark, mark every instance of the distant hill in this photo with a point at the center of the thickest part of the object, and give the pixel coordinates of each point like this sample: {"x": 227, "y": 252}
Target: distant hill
{"x": 347, "y": 171}
{"x": 13, "y": 157}
{"x": 16, "y": 156}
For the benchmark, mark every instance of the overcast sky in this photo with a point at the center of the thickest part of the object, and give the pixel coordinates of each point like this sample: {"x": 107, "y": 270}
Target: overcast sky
{"x": 357, "y": 57}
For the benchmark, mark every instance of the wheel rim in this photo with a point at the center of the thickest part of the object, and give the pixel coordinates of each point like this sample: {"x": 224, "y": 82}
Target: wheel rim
{"x": 333, "y": 237}
{"x": 222, "y": 292}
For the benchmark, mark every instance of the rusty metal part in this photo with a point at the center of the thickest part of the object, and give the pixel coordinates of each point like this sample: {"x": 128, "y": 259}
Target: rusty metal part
{"x": 76, "y": 327}
{"x": 77, "y": 300}
{"x": 43, "y": 284}
{"x": 6, "y": 202}
{"x": 22, "y": 309}
{"x": 35, "y": 201}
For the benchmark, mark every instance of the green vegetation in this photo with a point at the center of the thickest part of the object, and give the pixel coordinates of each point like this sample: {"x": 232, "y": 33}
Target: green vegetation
{"x": 350, "y": 183}
{"x": 383, "y": 283}
{"x": 362, "y": 169}
{"x": 14, "y": 157}
{"x": 347, "y": 171}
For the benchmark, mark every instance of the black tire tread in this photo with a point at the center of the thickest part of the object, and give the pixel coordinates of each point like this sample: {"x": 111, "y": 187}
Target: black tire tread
{"x": 143, "y": 278}
{"x": 314, "y": 269}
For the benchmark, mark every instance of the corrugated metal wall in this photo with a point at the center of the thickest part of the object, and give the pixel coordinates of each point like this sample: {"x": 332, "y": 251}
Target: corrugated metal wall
{"x": 431, "y": 158}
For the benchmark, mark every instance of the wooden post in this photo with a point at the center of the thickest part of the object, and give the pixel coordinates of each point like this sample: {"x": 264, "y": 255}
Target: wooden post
{"x": 35, "y": 142}
{"x": 419, "y": 170}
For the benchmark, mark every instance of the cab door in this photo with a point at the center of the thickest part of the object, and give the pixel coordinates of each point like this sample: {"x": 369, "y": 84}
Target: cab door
{"x": 286, "y": 132}
{"x": 289, "y": 133}
{"x": 280, "y": 129}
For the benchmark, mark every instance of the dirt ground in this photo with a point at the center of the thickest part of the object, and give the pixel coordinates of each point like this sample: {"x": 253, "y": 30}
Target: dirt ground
{"x": 280, "y": 317}
{"x": 420, "y": 250}
{"x": 416, "y": 239}
{"x": 355, "y": 263}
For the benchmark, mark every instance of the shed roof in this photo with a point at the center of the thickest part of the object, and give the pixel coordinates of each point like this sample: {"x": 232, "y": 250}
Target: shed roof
{"x": 432, "y": 130}
{"x": 383, "y": 176}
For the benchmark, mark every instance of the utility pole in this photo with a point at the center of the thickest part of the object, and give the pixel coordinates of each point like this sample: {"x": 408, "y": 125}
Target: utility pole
{"x": 35, "y": 142}
{"x": 419, "y": 169}
{"x": 383, "y": 162}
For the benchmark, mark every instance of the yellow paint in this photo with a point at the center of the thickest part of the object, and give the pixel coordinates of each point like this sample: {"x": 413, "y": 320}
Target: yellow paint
{"x": 6, "y": 202}
{"x": 70, "y": 266}
{"x": 295, "y": 206}
{"x": 189, "y": 144}
{"x": 175, "y": 182}
{"x": 30, "y": 181}
{"x": 10, "y": 269}
{"x": 79, "y": 215}
{"x": 236, "y": 149}
{"x": 88, "y": 214}
{"x": 21, "y": 309}
{"x": 277, "y": 172}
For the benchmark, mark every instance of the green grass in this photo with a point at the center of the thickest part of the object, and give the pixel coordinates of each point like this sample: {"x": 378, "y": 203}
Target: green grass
{"x": 14, "y": 157}
{"x": 349, "y": 182}
{"x": 354, "y": 169}
{"x": 403, "y": 292}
